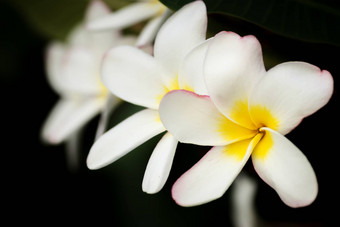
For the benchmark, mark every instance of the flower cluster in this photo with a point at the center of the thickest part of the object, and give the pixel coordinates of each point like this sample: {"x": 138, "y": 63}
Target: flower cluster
{"x": 213, "y": 92}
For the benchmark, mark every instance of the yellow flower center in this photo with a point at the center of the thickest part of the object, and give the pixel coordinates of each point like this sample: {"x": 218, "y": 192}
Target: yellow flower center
{"x": 248, "y": 122}
{"x": 262, "y": 148}
{"x": 173, "y": 85}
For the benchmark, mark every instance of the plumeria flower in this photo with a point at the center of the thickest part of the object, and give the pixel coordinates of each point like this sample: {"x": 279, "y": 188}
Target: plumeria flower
{"x": 248, "y": 112}
{"x": 73, "y": 72}
{"x": 142, "y": 79}
{"x": 132, "y": 14}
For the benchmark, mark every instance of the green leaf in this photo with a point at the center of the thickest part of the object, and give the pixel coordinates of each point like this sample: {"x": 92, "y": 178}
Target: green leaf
{"x": 307, "y": 20}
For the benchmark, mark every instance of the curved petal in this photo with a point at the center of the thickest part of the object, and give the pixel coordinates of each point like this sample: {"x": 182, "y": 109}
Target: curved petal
{"x": 54, "y": 58}
{"x": 96, "y": 41}
{"x": 126, "y": 16}
{"x": 148, "y": 34}
{"x": 80, "y": 72}
{"x": 159, "y": 165}
{"x": 291, "y": 91}
{"x": 191, "y": 71}
{"x": 67, "y": 117}
{"x": 96, "y": 9}
{"x": 192, "y": 118}
{"x": 123, "y": 138}
{"x": 82, "y": 37}
{"x": 133, "y": 76}
{"x": 213, "y": 174}
{"x": 286, "y": 169}
{"x": 179, "y": 34}
{"x": 233, "y": 66}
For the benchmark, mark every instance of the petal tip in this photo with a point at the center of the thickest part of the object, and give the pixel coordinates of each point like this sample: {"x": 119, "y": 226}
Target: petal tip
{"x": 93, "y": 160}
{"x": 233, "y": 35}
{"x": 307, "y": 200}
{"x": 50, "y": 138}
{"x": 175, "y": 196}
{"x": 90, "y": 163}
{"x": 149, "y": 189}
{"x": 327, "y": 75}
{"x": 198, "y": 4}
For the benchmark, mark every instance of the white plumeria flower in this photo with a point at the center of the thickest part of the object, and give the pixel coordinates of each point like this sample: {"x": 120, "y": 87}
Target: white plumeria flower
{"x": 132, "y": 14}
{"x": 143, "y": 80}
{"x": 73, "y": 72}
{"x": 248, "y": 113}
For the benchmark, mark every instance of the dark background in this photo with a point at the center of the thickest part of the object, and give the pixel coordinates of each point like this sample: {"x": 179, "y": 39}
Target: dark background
{"x": 40, "y": 188}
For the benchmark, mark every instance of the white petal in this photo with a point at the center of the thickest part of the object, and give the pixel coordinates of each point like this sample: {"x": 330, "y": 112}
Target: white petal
{"x": 133, "y": 76}
{"x": 192, "y": 118}
{"x": 96, "y": 9}
{"x": 159, "y": 165}
{"x": 148, "y": 34}
{"x": 98, "y": 42}
{"x": 292, "y": 91}
{"x": 82, "y": 37}
{"x": 67, "y": 117}
{"x": 123, "y": 138}
{"x": 191, "y": 70}
{"x": 54, "y": 59}
{"x": 233, "y": 66}
{"x": 95, "y": 42}
{"x": 286, "y": 169}
{"x": 126, "y": 16}
{"x": 80, "y": 72}
{"x": 213, "y": 174}
{"x": 179, "y": 34}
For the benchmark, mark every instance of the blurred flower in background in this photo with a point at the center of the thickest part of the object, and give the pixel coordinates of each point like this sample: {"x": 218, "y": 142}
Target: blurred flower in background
{"x": 73, "y": 71}
{"x": 135, "y": 12}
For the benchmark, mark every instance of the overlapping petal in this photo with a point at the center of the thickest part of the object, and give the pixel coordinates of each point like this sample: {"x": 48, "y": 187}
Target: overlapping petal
{"x": 178, "y": 35}
{"x": 192, "y": 118}
{"x": 191, "y": 71}
{"x": 73, "y": 71}
{"x": 96, "y": 41}
{"x": 126, "y": 16}
{"x": 233, "y": 66}
{"x": 285, "y": 168}
{"x": 124, "y": 137}
{"x": 150, "y": 30}
{"x": 96, "y": 10}
{"x": 159, "y": 165}
{"x": 67, "y": 117}
{"x": 80, "y": 72}
{"x": 54, "y": 59}
{"x": 291, "y": 91}
{"x": 133, "y": 76}
{"x": 209, "y": 178}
